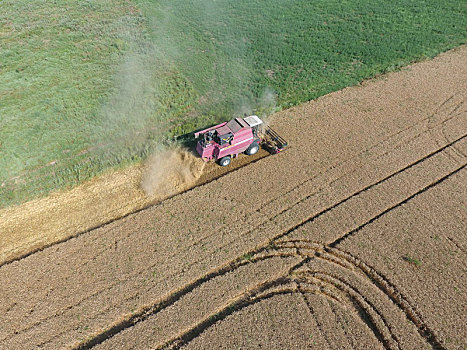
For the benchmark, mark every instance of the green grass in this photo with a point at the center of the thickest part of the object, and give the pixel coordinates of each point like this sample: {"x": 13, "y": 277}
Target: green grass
{"x": 411, "y": 260}
{"x": 90, "y": 85}
{"x": 57, "y": 68}
{"x": 232, "y": 52}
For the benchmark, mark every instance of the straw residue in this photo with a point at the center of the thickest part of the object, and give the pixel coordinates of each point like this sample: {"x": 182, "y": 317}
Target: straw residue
{"x": 170, "y": 171}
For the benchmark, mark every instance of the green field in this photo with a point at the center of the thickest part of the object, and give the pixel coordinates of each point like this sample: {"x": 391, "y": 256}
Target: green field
{"x": 90, "y": 85}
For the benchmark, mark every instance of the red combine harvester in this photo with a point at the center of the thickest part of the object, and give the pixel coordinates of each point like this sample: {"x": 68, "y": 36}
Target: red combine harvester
{"x": 229, "y": 139}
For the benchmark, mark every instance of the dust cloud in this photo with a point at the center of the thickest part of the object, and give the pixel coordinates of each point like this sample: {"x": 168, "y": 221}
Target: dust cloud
{"x": 170, "y": 171}
{"x": 136, "y": 117}
{"x": 267, "y": 106}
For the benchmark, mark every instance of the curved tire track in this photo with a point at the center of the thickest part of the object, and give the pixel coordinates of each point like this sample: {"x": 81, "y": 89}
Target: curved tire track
{"x": 303, "y": 277}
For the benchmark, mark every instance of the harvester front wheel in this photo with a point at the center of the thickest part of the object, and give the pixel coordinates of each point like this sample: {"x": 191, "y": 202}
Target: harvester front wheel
{"x": 253, "y": 149}
{"x": 225, "y": 161}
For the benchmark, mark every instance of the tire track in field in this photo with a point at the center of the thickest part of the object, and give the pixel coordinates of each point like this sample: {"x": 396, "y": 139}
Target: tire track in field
{"x": 286, "y": 233}
{"x": 396, "y": 296}
{"x": 304, "y": 280}
{"x": 372, "y": 186}
{"x": 396, "y": 146}
{"x": 363, "y": 307}
{"x": 312, "y": 311}
{"x": 347, "y": 261}
{"x": 378, "y": 216}
{"x": 289, "y": 231}
{"x": 449, "y": 109}
{"x": 319, "y": 280}
{"x": 163, "y": 303}
{"x": 367, "y": 311}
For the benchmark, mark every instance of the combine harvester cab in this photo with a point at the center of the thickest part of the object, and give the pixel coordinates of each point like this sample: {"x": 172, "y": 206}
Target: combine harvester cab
{"x": 229, "y": 139}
